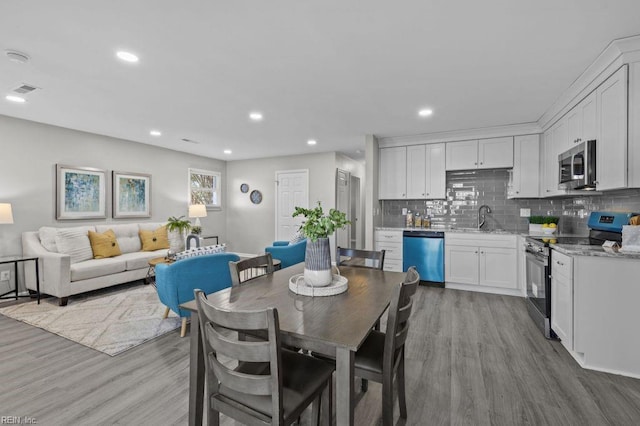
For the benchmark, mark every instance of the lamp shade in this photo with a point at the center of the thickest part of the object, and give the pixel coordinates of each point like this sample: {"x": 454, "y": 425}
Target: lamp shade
{"x": 197, "y": 210}
{"x": 6, "y": 215}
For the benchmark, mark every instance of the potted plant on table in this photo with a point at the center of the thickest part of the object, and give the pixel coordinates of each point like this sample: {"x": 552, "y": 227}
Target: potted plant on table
{"x": 317, "y": 227}
{"x": 181, "y": 226}
{"x": 539, "y": 225}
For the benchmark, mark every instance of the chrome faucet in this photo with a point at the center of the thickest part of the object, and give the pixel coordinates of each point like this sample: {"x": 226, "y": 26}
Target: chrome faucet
{"x": 481, "y": 217}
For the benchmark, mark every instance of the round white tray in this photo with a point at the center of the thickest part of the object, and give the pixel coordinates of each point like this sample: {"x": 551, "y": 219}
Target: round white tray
{"x": 297, "y": 285}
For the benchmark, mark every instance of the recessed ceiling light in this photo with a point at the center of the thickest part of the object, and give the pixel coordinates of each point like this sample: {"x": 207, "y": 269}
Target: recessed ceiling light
{"x": 17, "y": 99}
{"x": 16, "y": 56}
{"x": 127, "y": 56}
{"x": 425, "y": 112}
{"x": 155, "y": 133}
{"x": 227, "y": 151}
{"x": 255, "y": 116}
{"x": 312, "y": 142}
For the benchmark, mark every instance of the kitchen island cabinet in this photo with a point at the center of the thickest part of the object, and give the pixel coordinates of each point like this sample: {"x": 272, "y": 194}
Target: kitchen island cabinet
{"x": 595, "y": 310}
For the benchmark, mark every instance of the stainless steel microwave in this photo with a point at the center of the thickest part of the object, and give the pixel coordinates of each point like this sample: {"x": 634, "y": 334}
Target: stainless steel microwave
{"x": 577, "y": 167}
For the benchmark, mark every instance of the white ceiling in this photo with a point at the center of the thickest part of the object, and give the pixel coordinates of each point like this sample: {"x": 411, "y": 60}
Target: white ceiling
{"x": 331, "y": 70}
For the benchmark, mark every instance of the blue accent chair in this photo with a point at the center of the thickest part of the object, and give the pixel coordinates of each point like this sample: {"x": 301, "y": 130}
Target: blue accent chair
{"x": 288, "y": 254}
{"x": 175, "y": 282}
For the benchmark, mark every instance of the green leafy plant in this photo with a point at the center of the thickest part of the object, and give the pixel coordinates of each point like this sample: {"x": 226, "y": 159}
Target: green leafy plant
{"x": 178, "y": 224}
{"x": 319, "y": 224}
{"x": 540, "y": 220}
{"x": 195, "y": 229}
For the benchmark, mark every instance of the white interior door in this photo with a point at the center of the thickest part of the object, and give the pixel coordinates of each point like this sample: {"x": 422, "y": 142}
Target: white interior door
{"x": 292, "y": 190}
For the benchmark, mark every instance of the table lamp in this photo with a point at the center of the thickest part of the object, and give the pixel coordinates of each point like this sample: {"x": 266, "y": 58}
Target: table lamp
{"x": 197, "y": 211}
{"x": 6, "y": 215}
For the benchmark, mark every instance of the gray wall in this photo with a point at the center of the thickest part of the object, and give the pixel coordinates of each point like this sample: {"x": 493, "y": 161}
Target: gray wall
{"x": 467, "y": 190}
{"x": 251, "y": 227}
{"x": 31, "y": 150}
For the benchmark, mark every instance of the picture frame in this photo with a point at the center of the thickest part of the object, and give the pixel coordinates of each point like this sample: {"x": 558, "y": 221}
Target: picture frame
{"x": 80, "y": 193}
{"x": 131, "y": 195}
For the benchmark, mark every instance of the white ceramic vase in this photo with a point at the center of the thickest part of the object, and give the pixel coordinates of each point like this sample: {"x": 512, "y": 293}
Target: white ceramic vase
{"x": 317, "y": 263}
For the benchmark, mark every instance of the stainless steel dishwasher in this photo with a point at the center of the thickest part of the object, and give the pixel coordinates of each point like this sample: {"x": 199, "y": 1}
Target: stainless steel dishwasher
{"x": 424, "y": 250}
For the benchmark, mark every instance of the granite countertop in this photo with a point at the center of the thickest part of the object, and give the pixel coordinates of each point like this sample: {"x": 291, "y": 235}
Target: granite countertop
{"x": 582, "y": 250}
{"x": 451, "y": 229}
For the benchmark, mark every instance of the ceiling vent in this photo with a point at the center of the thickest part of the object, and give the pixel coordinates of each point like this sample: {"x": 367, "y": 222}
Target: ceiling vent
{"x": 189, "y": 141}
{"x": 25, "y": 89}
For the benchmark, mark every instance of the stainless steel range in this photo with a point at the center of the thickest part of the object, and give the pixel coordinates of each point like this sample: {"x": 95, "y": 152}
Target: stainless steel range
{"x": 603, "y": 226}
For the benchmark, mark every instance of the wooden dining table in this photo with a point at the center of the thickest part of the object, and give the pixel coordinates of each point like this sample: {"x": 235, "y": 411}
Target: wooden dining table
{"x": 335, "y": 326}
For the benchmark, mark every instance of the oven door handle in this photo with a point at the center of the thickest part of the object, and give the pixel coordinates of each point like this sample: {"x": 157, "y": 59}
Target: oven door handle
{"x": 537, "y": 259}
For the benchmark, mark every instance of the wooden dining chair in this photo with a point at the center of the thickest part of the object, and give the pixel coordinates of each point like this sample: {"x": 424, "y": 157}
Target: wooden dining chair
{"x": 381, "y": 356}
{"x": 360, "y": 258}
{"x": 269, "y": 384}
{"x": 248, "y": 269}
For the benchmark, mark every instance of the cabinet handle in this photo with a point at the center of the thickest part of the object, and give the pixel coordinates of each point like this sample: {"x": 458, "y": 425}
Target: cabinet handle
{"x": 475, "y": 164}
{"x": 559, "y": 263}
{"x": 481, "y": 163}
{"x": 548, "y": 190}
{"x": 423, "y": 194}
{"x": 517, "y": 192}
{"x": 476, "y": 252}
{"x": 481, "y": 252}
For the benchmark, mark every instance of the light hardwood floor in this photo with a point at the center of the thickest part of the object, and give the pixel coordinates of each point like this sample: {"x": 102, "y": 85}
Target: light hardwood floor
{"x": 472, "y": 358}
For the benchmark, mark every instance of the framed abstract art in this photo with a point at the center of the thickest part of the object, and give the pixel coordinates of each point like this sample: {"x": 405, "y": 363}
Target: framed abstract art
{"x": 131, "y": 195}
{"x": 80, "y": 193}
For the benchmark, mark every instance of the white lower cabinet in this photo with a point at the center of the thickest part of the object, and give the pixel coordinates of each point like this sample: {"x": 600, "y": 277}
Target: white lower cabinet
{"x": 391, "y": 242}
{"x": 562, "y": 297}
{"x": 487, "y": 260}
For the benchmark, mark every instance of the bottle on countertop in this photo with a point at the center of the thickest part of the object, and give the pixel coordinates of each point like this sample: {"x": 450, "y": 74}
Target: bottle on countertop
{"x": 409, "y": 219}
{"x": 426, "y": 222}
{"x": 417, "y": 220}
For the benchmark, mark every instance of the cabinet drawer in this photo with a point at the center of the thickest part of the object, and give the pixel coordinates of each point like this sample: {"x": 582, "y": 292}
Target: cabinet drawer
{"x": 392, "y": 250}
{"x": 561, "y": 265}
{"x": 478, "y": 239}
{"x": 392, "y": 265}
{"x": 389, "y": 236}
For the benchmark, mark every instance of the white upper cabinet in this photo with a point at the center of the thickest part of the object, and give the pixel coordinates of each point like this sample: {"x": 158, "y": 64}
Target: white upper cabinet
{"x": 555, "y": 142}
{"x": 412, "y": 172}
{"x": 495, "y": 153}
{"x": 611, "y": 145}
{"x": 436, "y": 175}
{"x": 582, "y": 122}
{"x": 462, "y": 155}
{"x": 525, "y": 179}
{"x": 416, "y": 171}
{"x": 490, "y": 153}
{"x": 392, "y": 178}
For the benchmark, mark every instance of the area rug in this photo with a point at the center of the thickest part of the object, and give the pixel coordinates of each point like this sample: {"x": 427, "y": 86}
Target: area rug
{"x": 110, "y": 320}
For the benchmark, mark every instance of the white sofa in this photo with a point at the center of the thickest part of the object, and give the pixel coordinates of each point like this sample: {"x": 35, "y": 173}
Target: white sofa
{"x": 62, "y": 276}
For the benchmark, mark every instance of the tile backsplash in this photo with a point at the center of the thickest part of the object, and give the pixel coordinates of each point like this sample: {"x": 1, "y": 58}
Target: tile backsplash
{"x": 468, "y": 190}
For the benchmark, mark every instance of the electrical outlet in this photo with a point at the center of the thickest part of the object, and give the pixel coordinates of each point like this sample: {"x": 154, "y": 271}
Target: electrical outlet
{"x": 525, "y": 212}
{"x": 404, "y": 211}
{"x": 5, "y": 275}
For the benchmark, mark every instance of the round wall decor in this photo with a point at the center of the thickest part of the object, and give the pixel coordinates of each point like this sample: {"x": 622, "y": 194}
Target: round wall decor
{"x": 256, "y": 196}
{"x": 244, "y": 188}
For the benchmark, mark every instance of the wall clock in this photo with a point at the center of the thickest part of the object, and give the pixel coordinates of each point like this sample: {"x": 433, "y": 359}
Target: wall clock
{"x": 244, "y": 188}
{"x": 256, "y": 196}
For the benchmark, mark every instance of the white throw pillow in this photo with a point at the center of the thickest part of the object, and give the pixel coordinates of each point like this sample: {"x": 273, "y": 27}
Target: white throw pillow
{"x": 47, "y": 236}
{"x": 200, "y": 251}
{"x": 297, "y": 237}
{"x": 75, "y": 242}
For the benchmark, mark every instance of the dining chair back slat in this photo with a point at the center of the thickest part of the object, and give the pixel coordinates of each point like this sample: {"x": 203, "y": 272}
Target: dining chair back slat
{"x": 253, "y": 351}
{"x": 248, "y": 269}
{"x": 360, "y": 258}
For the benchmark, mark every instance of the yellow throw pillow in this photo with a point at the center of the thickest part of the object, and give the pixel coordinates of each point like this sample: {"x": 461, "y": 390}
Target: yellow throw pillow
{"x": 104, "y": 245}
{"x": 154, "y": 240}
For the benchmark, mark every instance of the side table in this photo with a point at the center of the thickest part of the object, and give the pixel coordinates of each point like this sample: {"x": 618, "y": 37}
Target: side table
{"x": 151, "y": 272}
{"x": 15, "y": 260}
